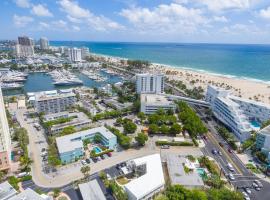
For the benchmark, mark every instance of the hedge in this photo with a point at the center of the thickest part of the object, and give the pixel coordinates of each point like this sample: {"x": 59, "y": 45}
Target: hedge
{"x": 160, "y": 143}
{"x": 101, "y": 153}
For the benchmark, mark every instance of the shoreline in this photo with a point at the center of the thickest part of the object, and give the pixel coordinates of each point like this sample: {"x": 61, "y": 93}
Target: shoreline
{"x": 245, "y": 87}
{"x": 176, "y": 67}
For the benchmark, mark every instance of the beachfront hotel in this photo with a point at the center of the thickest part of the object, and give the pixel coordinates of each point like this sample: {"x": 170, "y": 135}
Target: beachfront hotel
{"x": 150, "y": 83}
{"x": 5, "y": 141}
{"x": 150, "y": 103}
{"x": 70, "y": 147}
{"x": 263, "y": 141}
{"x": 238, "y": 114}
{"x": 52, "y": 101}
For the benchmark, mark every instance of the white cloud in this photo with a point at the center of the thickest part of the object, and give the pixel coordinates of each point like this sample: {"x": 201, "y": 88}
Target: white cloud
{"x": 60, "y": 24}
{"x": 265, "y": 13}
{"x": 219, "y": 5}
{"x": 77, "y": 14}
{"x": 41, "y": 11}
{"x": 21, "y": 21}
{"x": 220, "y": 19}
{"x": 76, "y": 28}
{"x": 44, "y": 25}
{"x": 73, "y": 9}
{"x": 23, "y": 3}
{"x": 165, "y": 18}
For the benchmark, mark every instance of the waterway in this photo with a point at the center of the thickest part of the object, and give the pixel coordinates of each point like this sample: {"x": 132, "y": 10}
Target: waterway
{"x": 43, "y": 82}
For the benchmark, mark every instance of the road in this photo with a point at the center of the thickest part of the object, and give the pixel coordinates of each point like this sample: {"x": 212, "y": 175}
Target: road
{"x": 243, "y": 177}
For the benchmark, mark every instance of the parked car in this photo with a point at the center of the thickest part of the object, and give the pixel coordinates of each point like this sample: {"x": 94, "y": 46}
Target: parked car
{"x": 230, "y": 167}
{"x": 247, "y": 190}
{"x": 87, "y": 161}
{"x": 165, "y": 147}
{"x": 231, "y": 176}
{"x": 22, "y": 174}
{"x": 258, "y": 183}
{"x": 102, "y": 157}
{"x": 83, "y": 162}
{"x": 204, "y": 137}
{"x": 220, "y": 144}
{"x": 219, "y": 153}
{"x": 230, "y": 151}
{"x": 109, "y": 154}
{"x": 43, "y": 150}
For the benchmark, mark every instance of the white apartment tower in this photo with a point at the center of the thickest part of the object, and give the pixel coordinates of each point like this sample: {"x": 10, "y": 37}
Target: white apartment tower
{"x": 240, "y": 115}
{"x": 149, "y": 83}
{"x": 44, "y": 43}
{"x": 85, "y": 52}
{"x": 5, "y": 141}
{"x": 75, "y": 54}
{"x": 24, "y": 47}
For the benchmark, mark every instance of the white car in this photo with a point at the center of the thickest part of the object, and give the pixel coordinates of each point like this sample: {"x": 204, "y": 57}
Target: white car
{"x": 231, "y": 176}
{"x": 246, "y": 197}
{"x": 83, "y": 162}
{"x": 248, "y": 190}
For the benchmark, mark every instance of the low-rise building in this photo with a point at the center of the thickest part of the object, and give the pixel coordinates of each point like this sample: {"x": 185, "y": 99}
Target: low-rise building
{"x": 70, "y": 147}
{"x": 91, "y": 191}
{"x": 30, "y": 194}
{"x": 6, "y": 191}
{"x": 150, "y": 183}
{"x": 77, "y": 120}
{"x": 150, "y": 103}
{"x": 52, "y": 101}
{"x": 263, "y": 141}
{"x": 240, "y": 115}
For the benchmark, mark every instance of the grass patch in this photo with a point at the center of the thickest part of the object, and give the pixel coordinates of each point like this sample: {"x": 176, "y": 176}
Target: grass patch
{"x": 253, "y": 168}
{"x": 122, "y": 180}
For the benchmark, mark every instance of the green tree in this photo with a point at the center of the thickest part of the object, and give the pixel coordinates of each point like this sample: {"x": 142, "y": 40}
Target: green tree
{"x": 164, "y": 129}
{"x": 141, "y": 116}
{"x": 153, "y": 129}
{"x": 68, "y": 130}
{"x": 129, "y": 127}
{"x": 223, "y": 194}
{"x": 175, "y": 129}
{"x": 85, "y": 170}
{"x": 141, "y": 138}
{"x": 56, "y": 192}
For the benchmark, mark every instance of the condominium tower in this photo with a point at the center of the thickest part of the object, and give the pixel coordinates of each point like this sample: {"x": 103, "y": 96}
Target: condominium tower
{"x": 149, "y": 83}
{"x": 238, "y": 114}
{"x": 75, "y": 54}
{"x": 24, "y": 47}
{"x": 5, "y": 141}
{"x": 44, "y": 43}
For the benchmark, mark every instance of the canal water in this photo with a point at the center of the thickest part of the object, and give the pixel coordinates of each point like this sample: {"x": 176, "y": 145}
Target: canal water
{"x": 43, "y": 81}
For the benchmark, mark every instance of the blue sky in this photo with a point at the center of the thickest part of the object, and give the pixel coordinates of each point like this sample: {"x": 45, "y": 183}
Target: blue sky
{"x": 213, "y": 21}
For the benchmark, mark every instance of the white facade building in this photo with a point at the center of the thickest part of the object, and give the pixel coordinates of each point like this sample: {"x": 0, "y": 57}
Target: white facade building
{"x": 85, "y": 52}
{"x": 52, "y": 101}
{"x": 150, "y": 103}
{"x": 263, "y": 141}
{"x": 44, "y": 43}
{"x": 150, "y": 83}
{"x": 148, "y": 184}
{"x": 240, "y": 115}
{"x": 5, "y": 141}
{"x": 24, "y": 47}
{"x": 75, "y": 54}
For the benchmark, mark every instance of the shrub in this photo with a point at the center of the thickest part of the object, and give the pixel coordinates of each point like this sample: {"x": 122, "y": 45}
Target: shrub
{"x": 160, "y": 143}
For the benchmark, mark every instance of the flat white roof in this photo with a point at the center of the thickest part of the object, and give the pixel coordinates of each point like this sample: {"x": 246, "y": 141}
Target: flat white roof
{"x": 91, "y": 191}
{"x": 155, "y": 99}
{"x": 149, "y": 182}
{"x": 68, "y": 143}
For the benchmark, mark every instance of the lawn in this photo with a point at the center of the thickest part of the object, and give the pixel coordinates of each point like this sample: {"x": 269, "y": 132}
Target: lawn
{"x": 122, "y": 180}
{"x": 253, "y": 168}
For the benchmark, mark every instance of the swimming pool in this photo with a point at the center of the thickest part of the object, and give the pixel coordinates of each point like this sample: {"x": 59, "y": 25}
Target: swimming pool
{"x": 201, "y": 172}
{"x": 97, "y": 149}
{"x": 255, "y": 124}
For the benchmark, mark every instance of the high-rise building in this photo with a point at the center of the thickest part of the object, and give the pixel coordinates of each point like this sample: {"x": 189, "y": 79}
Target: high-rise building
{"x": 44, "y": 43}
{"x": 85, "y": 52}
{"x": 240, "y": 115}
{"x": 24, "y": 47}
{"x": 75, "y": 54}
{"x": 5, "y": 141}
{"x": 149, "y": 83}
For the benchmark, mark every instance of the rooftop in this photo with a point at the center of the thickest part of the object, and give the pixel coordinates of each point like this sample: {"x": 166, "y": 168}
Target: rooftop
{"x": 6, "y": 191}
{"x": 52, "y": 94}
{"x": 152, "y": 180}
{"x": 177, "y": 173}
{"x": 70, "y": 142}
{"x": 29, "y": 194}
{"x": 91, "y": 191}
{"x": 265, "y": 131}
{"x": 155, "y": 99}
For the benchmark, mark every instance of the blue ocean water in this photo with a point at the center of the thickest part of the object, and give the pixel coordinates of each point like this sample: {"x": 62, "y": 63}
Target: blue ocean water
{"x": 243, "y": 61}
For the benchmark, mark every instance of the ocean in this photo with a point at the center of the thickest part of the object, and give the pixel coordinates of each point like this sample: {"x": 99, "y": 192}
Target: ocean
{"x": 234, "y": 60}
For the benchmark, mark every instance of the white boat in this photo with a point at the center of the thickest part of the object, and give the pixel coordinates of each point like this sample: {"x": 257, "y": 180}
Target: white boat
{"x": 10, "y": 86}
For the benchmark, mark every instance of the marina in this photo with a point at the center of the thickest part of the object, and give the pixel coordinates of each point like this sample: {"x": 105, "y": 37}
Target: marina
{"x": 64, "y": 78}
{"x": 42, "y": 81}
{"x": 94, "y": 75}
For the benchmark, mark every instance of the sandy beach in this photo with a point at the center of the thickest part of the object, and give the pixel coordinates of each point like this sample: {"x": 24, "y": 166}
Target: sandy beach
{"x": 248, "y": 89}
